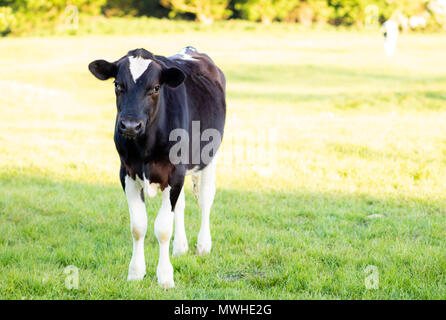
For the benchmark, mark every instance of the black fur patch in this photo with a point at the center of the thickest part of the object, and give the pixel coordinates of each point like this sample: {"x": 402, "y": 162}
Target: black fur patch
{"x": 142, "y": 194}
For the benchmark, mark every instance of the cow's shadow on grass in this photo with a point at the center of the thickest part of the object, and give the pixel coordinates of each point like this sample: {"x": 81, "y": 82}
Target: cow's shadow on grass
{"x": 291, "y": 245}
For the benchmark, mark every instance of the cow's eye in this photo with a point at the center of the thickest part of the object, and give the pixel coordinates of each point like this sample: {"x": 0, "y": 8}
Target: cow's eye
{"x": 118, "y": 87}
{"x": 154, "y": 90}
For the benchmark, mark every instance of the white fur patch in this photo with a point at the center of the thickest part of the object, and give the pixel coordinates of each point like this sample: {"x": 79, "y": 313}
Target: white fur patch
{"x": 180, "y": 245}
{"x": 137, "y": 66}
{"x": 183, "y": 55}
{"x": 192, "y": 171}
{"x": 150, "y": 188}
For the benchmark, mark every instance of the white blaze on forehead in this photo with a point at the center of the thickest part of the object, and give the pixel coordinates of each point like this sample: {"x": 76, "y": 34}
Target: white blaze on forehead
{"x": 137, "y": 66}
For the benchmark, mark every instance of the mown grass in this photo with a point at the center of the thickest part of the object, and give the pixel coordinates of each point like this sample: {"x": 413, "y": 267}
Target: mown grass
{"x": 333, "y": 161}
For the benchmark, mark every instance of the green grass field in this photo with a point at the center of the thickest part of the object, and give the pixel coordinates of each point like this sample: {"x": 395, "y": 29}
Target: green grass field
{"x": 334, "y": 160}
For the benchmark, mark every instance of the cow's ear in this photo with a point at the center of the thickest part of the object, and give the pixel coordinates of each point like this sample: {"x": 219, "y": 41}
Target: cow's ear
{"x": 102, "y": 69}
{"x": 173, "y": 77}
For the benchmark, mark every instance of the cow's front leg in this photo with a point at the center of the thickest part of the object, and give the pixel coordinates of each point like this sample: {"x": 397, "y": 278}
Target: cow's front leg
{"x": 164, "y": 228}
{"x": 138, "y": 227}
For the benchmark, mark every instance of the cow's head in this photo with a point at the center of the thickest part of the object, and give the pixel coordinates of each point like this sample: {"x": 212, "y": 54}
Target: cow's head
{"x": 139, "y": 80}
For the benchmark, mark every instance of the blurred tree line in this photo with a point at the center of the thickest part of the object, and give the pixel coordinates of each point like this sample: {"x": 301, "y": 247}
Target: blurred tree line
{"x": 24, "y": 14}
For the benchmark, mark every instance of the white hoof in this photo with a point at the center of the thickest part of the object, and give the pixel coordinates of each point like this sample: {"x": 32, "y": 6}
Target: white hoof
{"x": 180, "y": 247}
{"x": 136, "y": 274}
{"x": 204, "y": 244}
{"x": 137, "y": 268}
{"x": 165, "y": 276}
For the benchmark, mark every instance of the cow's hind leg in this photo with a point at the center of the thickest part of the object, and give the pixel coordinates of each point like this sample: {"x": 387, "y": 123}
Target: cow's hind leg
{"x": 138, "y": 227}
{"x": 180, "y": 241}
{"x": 205, "y": 199}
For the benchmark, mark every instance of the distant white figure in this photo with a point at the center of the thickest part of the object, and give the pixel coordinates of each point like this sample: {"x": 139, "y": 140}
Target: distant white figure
{"x": 438, "y": 7}
{"x": 391, "y": 31}
{"x": 417, "y": 22}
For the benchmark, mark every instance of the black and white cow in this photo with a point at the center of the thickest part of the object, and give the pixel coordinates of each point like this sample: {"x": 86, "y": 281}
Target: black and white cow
{"x": 156, "y": 97}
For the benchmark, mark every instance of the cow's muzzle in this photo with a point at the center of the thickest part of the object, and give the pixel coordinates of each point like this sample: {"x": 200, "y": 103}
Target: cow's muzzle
{"x": 130, "y": 128}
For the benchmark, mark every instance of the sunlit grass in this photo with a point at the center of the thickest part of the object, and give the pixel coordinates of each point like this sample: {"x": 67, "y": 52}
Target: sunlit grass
{"x": 323, "y": 131}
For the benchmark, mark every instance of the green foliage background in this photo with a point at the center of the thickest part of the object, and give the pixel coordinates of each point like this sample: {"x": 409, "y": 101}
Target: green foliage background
{"x": 21, "y": 16}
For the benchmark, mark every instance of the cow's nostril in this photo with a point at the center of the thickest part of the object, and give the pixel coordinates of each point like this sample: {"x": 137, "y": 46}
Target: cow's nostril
{"x": 131, "y": 127}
